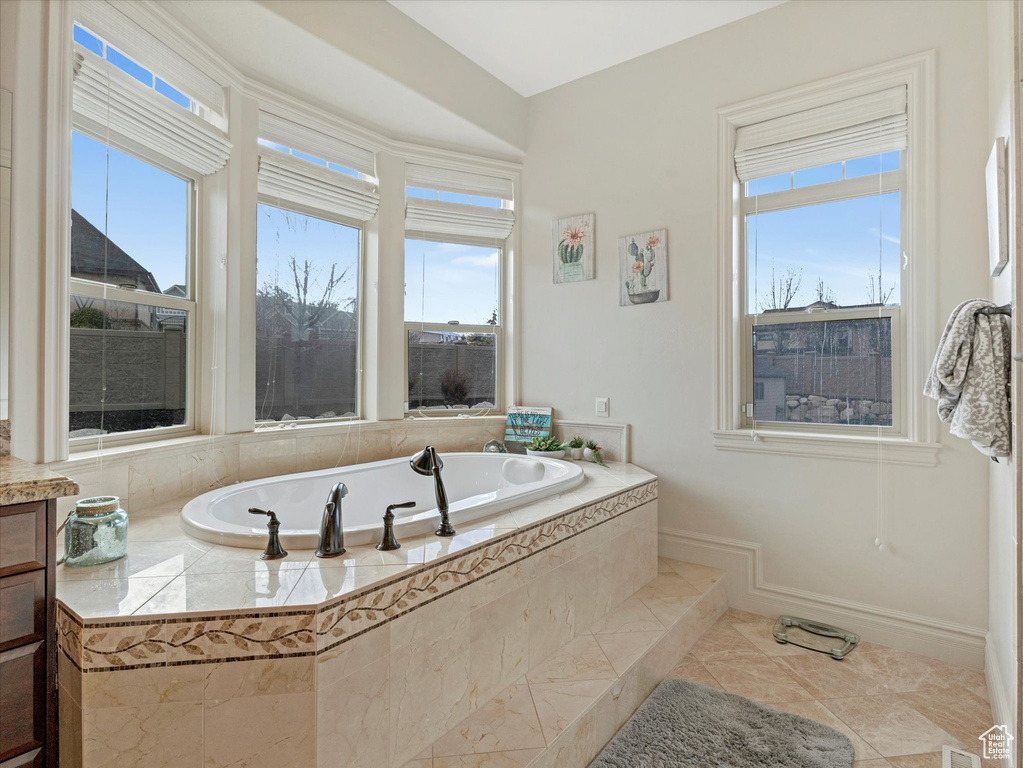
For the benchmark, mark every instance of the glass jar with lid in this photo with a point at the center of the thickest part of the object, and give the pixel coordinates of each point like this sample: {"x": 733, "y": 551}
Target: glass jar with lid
{"x": 96, "y": 532}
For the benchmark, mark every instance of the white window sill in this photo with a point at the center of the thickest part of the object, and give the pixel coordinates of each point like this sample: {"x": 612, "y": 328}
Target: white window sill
{"x": 849, "y": 447}
{"x": 87, "y": 456}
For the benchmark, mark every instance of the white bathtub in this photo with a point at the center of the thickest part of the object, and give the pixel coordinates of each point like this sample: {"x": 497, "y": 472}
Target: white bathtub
{"x": 478, "y": 485}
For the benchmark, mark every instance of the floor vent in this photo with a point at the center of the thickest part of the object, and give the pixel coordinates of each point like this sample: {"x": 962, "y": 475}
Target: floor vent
{"x": 957, "y": 758}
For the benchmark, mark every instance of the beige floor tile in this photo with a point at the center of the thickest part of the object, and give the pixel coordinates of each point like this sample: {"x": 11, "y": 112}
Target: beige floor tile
{"x": 957, "y": 710}
{"x": 757, "y": 678}
{"x": 559, "y": 704}
{"x": 623, "y": 648}
{"x": 890, "y": 725}
{"x": 814, "y": 710}
{"x": 695, "y": 671}
{"x": 903, "y": 672}
{"x": 759, "y": 634}
{"x": 511, "y": 759}
{"x": 722, "y": 641}
{"x": 669, "y": 597}
{"x": 630, "y": 616}
{"x": 879, "y": 763}
{"x": 506, "y": 722}
{"x": 702, "y": 577}
{"x": 828, "y": 678}
{"x": 580, "y": 659}
{"x": 928, "y": 760}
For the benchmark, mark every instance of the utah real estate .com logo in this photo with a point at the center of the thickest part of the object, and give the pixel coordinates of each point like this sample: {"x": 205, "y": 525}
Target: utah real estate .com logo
{"x": 997, "y": 740}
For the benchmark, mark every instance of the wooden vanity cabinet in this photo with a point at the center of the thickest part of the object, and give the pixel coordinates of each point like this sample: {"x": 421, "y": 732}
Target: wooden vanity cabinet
{"x": 28, "y": 650}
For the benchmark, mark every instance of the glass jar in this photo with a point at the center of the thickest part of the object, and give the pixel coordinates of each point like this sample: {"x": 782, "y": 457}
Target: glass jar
{"x": 96, "y": 532}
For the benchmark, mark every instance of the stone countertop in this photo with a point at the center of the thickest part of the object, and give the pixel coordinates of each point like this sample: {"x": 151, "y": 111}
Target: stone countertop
{"x": 22, "y": 482}
{"x": 169, "y": 573}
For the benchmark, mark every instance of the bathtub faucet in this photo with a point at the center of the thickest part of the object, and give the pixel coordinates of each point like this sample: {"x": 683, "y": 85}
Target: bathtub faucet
{"x": 332, "y": 532}
{"x": 427, "y": 462}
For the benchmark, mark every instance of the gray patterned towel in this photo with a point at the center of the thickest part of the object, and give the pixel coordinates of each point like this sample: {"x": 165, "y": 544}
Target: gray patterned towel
{"x": 970, "y": 377}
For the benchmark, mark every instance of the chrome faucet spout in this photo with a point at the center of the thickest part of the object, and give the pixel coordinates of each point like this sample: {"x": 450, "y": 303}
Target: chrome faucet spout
{"x": 427, "y": 462}
{"x": 332, "y": 532}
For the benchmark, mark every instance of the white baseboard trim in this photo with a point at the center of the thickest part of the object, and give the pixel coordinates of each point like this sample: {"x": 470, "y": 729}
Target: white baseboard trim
{"x": 747, "y": 591}
{"x": 1002, "y": 711}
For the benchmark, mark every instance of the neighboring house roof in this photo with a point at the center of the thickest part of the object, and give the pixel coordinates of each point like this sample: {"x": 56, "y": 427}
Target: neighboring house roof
{"x": 177, "y": 290}
{"x": 96, "y": 257}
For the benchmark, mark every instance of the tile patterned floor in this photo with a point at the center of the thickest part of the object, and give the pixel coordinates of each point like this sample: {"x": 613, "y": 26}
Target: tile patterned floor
{"x": 896, "y": 707}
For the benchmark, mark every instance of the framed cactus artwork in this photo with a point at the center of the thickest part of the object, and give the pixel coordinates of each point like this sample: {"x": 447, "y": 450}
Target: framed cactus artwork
{"x": 573, "y": 248}
{"x": 643, "y": 268}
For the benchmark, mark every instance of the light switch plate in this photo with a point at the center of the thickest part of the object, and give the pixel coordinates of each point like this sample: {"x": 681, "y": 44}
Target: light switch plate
{"x": 604, "y": 407}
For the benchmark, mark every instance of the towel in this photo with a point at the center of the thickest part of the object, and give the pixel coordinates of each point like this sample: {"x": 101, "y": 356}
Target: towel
{"x": 970, "y": 377}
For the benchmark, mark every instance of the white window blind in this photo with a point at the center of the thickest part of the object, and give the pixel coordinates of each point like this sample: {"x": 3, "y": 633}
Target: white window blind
{"x": 107, "y": 99}
{"x": 461, "y": 182}
{"x": 439, "y": 217}
{"x": 436, "y": 217}
{"x": 291, "y": 179}
{"x": 857, "y": 127}
{"x": 104, "y": 20}
{"x": 294, "y": 136}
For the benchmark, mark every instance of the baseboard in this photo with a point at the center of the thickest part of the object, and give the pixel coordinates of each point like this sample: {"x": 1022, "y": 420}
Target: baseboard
{"x": 747, "y": 591}
{"x": 1002, "y": 711}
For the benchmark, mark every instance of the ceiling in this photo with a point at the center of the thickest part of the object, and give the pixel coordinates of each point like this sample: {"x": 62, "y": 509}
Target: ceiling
{"x": 535, "y": 45}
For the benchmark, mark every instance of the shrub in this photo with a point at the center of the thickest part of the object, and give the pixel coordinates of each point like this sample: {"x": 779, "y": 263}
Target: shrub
{"x": 454, "y": 385}
{"x": 88, "y": 317}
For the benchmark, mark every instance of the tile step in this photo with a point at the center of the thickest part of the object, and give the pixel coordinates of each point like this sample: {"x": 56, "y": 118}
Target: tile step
{"x": 564, "y": 710}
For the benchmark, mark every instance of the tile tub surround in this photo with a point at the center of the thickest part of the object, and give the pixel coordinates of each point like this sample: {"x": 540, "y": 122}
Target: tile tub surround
{"x": 562, "y": 711}
{"x": 413, "y": 656}
{"x": 22, "y": 482}
{"x": 145, "y": 475}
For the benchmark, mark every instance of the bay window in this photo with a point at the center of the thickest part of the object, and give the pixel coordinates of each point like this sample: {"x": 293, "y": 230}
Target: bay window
{"x": 139, "y": 150}
{"x": 456, "y": 224}
{"x": 315, "y": 193}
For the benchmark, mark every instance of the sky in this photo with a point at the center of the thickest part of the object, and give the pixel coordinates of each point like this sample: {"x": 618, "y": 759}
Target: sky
{"x": 281, "y": 234}
{"x": 147, "y": 215}
{"x": 446, "y": 281}
{"x": 842, "y": 243}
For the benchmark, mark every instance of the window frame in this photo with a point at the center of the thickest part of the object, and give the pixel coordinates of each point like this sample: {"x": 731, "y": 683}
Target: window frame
{"x": 917, "y": 445}
{"x": 498, "y": 330}
{"x": 802, "y": 197}
{"x": 306, "y": 210}
{"x": 105, "y": 291}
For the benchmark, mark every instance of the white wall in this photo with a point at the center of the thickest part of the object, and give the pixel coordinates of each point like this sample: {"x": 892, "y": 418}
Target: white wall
{"x": 1002, "y": 601}
{"x": 636, "y": 144}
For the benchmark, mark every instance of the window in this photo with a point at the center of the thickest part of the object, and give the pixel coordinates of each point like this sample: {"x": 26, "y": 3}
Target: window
{"x": 141, "y": 142}
{"x": 132, "y": 306}
{"x": 823, "y": 294}
{"x": 456, "y": 224}
{"x": 314, "y": 193}
{"x": 307, "y": 316}
{"x": 825, "y": 316}
{"x": 452, "y": 324}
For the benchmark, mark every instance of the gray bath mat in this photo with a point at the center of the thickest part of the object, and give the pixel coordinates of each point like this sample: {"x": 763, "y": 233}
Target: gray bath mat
{"x": 687, "y": 725}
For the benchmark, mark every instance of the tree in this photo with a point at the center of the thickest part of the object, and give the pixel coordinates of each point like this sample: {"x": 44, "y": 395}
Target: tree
{"x": 823, "y": 293}
{"x": 875, "y": 293}
{"x": 783, "y": 290}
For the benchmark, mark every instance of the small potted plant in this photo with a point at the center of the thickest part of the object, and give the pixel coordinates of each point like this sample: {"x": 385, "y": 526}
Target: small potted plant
{"x": 575, "y": 448}
{"x": 592, "y": 453}
{"x": 550, "y": 447}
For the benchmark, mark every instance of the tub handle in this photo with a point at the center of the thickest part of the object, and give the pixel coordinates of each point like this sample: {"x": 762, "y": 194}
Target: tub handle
{"x": 388, "y": 542}
{"x": 274, "y": 550}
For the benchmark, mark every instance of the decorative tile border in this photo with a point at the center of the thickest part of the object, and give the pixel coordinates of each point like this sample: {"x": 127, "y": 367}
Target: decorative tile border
{"x": 130, "y": 644}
